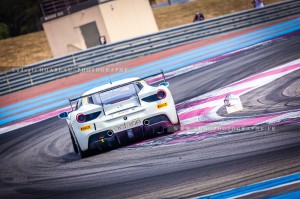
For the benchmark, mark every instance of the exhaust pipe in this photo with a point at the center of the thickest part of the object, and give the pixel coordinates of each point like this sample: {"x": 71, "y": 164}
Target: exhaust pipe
{"x": 146, "y": 122}
{"x": 110, "y": 133}
{"x": 160, "y": 130}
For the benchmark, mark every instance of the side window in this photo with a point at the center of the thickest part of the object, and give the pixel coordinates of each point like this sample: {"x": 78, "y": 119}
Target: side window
{"x": 90, "y": 100}
{"x": 139, "y": 86}
{"x": 78, "y": 104}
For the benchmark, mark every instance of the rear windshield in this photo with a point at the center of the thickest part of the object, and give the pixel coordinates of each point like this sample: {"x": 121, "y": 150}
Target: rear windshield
{"x": 117, "y": 95}
{"x": 112, "y": 96}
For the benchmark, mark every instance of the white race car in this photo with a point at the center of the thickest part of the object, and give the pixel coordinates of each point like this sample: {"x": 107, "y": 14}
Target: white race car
{"x": 115, "y": 114}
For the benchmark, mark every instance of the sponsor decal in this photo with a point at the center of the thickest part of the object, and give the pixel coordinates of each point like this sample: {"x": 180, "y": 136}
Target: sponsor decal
{"x": 159, "y": 106}
{"x": 84, "y": 128}
{"x": 123, "y": 112}
{"x": 128, "y": 125}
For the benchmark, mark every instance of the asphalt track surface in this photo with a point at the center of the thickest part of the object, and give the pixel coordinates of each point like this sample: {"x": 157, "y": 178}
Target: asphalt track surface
{"x": 37, "y": 161}
{"x": 282, "y": 95}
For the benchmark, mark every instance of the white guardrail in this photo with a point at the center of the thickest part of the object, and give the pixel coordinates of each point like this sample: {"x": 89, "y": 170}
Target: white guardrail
{"x": 14, "y": 80}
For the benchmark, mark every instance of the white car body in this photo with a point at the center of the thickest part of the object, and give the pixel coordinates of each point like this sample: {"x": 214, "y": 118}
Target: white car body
{"x": 107, "y": 122}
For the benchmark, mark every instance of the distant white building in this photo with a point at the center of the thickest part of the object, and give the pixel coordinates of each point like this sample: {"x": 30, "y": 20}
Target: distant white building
{"x": 72, "y": 25}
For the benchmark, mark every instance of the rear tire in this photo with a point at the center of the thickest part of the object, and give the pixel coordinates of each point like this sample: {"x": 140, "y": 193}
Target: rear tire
{"x": 73, "y": 142}
{"x": 84, "y": 154}
{"x": 77, "y": 149}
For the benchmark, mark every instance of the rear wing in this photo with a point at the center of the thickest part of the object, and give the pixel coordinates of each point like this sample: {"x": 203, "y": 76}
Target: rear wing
{"x": 114, "y": 87}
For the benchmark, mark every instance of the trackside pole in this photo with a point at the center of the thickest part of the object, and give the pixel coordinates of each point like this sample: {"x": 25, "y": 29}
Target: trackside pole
{"x": 162, "y": 72}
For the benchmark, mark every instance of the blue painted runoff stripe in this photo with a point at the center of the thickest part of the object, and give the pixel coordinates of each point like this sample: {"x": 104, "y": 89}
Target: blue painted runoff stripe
{"x": 198, "y": 54}
{"x": 254, "y": 187}
{"x": 251, "y": 38}
{"x": 180, "y": 58}
{"x": 32, "y": 112}
{"x": 22, "y": 108}
{"x": 39, "y": 104}
{"x": 289, "y": 195}
{"x": 50, "y": 100}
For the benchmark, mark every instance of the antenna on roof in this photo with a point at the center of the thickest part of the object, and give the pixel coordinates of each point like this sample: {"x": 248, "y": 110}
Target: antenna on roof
{"x": 108, "y": 76}
{"x": 163, "y": 74}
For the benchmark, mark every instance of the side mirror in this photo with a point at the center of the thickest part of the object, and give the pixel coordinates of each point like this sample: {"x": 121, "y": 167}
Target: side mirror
{"x": 63, "y": 115}
{"x": 166, "y": 84}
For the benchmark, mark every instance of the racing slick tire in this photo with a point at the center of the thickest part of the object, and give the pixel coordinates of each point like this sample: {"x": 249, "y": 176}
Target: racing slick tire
{"x": 84, "y": 154}
{"x": 73, "y": 143}
{"x": 77, "y": 149}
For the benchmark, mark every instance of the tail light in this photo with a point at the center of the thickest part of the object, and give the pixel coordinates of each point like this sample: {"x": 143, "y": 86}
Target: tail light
{"x": 161, "y": 94}
{"x": 80, "y": 118}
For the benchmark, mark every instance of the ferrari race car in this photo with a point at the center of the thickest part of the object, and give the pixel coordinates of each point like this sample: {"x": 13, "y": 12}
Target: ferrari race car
{"x": 120, "y": 112}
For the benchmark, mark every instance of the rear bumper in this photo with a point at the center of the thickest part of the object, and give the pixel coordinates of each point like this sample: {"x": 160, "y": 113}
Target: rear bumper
{"x": 103, "y": 143}
{"x": 153, "y": 125}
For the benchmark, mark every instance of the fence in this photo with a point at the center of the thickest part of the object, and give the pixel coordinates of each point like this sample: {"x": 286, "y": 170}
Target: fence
{"x": 17, "y": 79}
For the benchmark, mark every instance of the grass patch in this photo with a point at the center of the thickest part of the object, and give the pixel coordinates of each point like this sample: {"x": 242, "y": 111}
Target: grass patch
{"x": 23, "y": 50}
{"x": 175, "y": 15}
{"x": 34, "y": 47}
